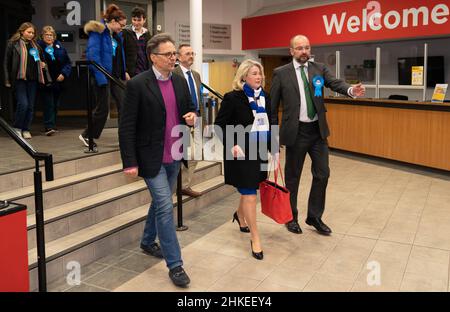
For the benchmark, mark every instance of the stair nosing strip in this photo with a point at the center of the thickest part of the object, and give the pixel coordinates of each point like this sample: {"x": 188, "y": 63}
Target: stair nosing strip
{"x": 67, "y": 184}
{"x": 58, "y": 162}
{"x": 85, "y": 208}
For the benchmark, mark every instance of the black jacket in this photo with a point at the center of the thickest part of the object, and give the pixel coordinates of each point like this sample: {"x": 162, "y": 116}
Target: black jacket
{"x": 143, "y": 121}
{"x": 285, "y": 90}
{"x": 234, "y": 111}
{"x": 11, "y": 61}
{"x": 130, "y": 47}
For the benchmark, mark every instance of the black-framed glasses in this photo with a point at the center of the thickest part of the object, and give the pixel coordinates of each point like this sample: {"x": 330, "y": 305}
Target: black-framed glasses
{"x": 167, "y": 54}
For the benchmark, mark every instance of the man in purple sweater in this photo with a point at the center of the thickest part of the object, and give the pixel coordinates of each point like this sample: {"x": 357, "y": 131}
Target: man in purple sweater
{"x": 155, "y": 102}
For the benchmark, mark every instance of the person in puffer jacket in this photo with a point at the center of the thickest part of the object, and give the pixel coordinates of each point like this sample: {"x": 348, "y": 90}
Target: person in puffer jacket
{"x": 105, "y": 47}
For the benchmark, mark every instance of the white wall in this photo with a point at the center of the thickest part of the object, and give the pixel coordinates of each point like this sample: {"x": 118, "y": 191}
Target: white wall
{"x": 214, "y": 11}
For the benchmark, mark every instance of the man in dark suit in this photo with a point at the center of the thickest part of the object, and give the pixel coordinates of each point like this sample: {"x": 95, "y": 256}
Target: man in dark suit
{"x": 186, "y": 59}
{"x": 304, "y": 129}
{"x": 155, "y": 102}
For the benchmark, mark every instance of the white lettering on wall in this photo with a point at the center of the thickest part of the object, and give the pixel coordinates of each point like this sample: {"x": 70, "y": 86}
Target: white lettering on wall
{"x": 397, "y": 19}
{"x": 435, "y": 14}
{"x": 374, "y": 7}
{"x": 415, "y": 14}
{"x": 373, "y": 19}
{"x": 353, "y": 24}
{"x": 334, "y": 23}
{"x": 74, "y": 16}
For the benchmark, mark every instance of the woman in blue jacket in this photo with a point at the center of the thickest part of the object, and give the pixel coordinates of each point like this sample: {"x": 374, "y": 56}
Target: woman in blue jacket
{"x": 105, "y": 47}
{"x": 59, "y": 67}
{"x": 23, "y": 71}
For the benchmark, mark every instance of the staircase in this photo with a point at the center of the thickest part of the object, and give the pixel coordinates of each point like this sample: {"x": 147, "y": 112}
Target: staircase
{"x": 92, "y": 209}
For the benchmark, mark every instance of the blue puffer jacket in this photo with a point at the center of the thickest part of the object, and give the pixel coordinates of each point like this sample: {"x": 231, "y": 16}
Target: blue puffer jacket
{"x": 61, "y": 64}
{"x": 99, "y": 49}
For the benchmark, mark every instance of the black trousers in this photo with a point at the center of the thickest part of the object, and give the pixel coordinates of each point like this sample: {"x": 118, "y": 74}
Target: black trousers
{"x": 309, "y": 142}
{"x": 101, "y": 109}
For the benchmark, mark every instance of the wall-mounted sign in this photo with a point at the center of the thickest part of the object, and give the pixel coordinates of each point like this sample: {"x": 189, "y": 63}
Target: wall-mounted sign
{"x": 215, "y": 36}
{"x": 353, "y": 21}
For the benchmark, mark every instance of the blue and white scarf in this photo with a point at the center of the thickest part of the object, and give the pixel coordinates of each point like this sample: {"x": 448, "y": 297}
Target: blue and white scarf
{"x": 257, "y": 101}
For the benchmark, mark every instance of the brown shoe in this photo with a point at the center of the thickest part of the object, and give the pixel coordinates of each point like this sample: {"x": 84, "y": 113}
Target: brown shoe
{"x": 190, "y": 192}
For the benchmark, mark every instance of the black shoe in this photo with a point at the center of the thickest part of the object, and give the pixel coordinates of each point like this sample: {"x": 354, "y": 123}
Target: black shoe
{"x": 179, "y": 277}
{"x": 294, "y": 227}
{"x": 256, "y": 255}
{"x": 86, "y": 141}
{"x": 153, "y": 250}
{"x": 244, "y": 229}
{"x": 321, "y": 227}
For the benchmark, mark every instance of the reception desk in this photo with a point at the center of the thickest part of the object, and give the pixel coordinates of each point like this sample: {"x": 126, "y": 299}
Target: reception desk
{"x": 411, "y": 132}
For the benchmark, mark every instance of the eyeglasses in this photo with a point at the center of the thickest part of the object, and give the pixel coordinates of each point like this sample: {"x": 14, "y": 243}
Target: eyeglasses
{"x": 167, "y": 54}
{"x": 48, "y": 35}
{"x": 301, "y": 48}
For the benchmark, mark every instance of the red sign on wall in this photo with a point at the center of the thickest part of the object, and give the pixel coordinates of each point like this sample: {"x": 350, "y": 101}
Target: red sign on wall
{"x": 354, "y": 21}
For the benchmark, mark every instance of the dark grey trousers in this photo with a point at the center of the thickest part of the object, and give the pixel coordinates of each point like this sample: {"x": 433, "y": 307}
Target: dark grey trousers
{"x": 309, "y": 142}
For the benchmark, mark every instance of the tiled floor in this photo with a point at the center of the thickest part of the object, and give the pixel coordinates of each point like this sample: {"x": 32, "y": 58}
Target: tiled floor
{"x": 391, "y": 233}
{"x": 386, "y": 218}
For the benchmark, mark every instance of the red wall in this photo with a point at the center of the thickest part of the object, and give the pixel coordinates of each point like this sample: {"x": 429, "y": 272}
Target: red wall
{"x": 275, "y": 30}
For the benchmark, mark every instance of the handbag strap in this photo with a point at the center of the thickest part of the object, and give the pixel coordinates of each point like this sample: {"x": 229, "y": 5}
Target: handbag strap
{"x": 276, "y": 169}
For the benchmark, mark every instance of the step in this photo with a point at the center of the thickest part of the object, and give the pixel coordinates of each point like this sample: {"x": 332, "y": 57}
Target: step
{"x": 76, "y": 215}
{"x": 71, "y": 188}
{"x": 97, "y": 241}
{"x": 73, "y": 216}
{"x": 23, "y": 178}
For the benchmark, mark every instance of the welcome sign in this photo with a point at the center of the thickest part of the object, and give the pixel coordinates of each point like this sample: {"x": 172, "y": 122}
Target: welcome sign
{"x": 353, "y": 21}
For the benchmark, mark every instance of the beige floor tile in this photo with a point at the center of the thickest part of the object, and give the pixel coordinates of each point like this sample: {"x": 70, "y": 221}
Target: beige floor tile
{"x": 348, "y": 257}
{"x": 416, "y": 283}
{"x": 328, "y": 283}
{"x": 230, "y": 283}
{"x": 297, "y": 279}
{"x": 202, "y": 278}
{"x": 266, "y": 286}
{"x": 429, "y": 262}
{"x": 208, "y": 244}
{"x": 433, "y": 234}
{"x": 365, "y": 231}
{"x": 219, "y": 262}
{"x": 253, "y": 268}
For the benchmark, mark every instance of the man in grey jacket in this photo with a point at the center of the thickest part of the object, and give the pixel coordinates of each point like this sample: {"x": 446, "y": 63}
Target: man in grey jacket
{"x": 304, "y": 129}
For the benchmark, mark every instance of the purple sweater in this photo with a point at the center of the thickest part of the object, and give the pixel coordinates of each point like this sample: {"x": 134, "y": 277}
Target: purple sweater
{"x": 172, "y": 118}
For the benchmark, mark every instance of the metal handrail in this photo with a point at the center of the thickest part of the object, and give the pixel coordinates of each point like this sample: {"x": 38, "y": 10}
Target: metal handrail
{"x": 38, "y": 198}
{"x": 216, "y": 93}
{"x": 102, "y": 70}
{"x": 119, "y": 83}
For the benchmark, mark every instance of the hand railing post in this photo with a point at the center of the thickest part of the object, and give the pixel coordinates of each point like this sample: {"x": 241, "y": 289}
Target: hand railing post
{"x": 180, "y": 226}
{"x": 91, "y": 148}
{"x": 40, "y": 236}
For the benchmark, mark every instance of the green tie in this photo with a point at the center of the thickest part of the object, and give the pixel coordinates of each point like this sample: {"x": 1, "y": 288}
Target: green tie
{"x": 309, "y": 100}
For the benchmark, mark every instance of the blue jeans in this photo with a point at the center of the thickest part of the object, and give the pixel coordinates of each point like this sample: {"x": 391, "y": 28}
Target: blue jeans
{"x": 160, "y": 215}
{"x": 25, "y": 96}
{"x": 51, "y": 102}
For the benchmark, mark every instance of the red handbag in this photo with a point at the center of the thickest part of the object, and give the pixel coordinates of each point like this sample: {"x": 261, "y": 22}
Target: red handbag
{"x": 275, "y": 199}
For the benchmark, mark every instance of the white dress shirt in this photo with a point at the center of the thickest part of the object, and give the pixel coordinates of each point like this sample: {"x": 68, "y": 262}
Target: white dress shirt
{"x": 185, "y": 70}
{"x": 303, "y": 109}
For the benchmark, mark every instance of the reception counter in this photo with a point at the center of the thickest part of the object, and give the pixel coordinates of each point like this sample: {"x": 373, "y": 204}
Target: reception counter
{"x": 411, "y": 132}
